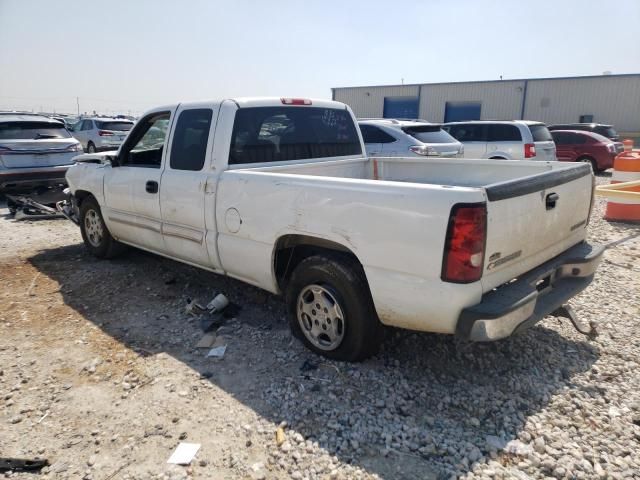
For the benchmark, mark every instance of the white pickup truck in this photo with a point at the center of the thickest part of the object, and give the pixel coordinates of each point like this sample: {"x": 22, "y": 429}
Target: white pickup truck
{"x": 279, "y": 193}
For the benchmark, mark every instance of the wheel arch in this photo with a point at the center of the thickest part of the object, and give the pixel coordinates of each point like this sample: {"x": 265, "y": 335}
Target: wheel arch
{"x": 291, "y": 249}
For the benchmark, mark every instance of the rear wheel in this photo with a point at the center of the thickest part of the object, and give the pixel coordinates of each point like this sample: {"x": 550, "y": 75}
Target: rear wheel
{"x": 592, "y": 161}
{"x": 95, "y": 234}
{"x": 91, "y": 148}
{"x": 331, "y": 310}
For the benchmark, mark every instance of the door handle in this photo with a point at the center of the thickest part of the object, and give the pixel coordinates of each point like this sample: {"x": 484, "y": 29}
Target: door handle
{"x": 151, "y": 186}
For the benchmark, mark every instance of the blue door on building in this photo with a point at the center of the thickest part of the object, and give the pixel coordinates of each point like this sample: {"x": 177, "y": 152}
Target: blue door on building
{"x": 401, "y": 107}
{"x": 462, "y": 111}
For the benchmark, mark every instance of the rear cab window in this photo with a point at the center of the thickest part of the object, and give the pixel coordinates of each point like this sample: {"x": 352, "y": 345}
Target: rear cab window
{"x": 429, "y": 134}
{"x": 32, "y": 130}
{"x": 540, "y": 133}
{"x": 275, "y": 134}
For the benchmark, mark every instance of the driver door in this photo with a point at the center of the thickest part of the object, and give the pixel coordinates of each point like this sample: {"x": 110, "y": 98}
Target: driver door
{"x": 132, "y": 184}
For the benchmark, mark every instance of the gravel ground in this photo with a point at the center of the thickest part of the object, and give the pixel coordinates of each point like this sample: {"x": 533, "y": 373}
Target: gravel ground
{"x": 100, "y": 374}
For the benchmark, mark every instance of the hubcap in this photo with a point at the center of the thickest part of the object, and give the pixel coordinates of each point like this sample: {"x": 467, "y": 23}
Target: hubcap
{"x": 93, "y": 227}
{"x": 320, "y": 317}
{"x": 91, "y": 149}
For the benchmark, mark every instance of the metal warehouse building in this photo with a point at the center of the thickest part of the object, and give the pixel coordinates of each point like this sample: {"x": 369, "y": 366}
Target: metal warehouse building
{"x": 611, "y": 99}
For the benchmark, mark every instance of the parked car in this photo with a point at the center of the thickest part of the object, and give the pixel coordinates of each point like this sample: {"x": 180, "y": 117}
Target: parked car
{"x": 599, "y": 128}
{"x": 579, "y": 146}
{"x": 280, "y": 194}
{"x": 504, "y": 140}
{"x": 35, "y": 152}
{"x": 407, "y": 138}
{"x": 99, "y": 134}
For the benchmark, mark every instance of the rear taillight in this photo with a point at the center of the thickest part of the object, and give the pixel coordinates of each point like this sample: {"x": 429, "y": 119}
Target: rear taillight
{"x": 423, "y": 150}
{"x": 529, "y": 150}
{"x": 295, "y": 101}
{"x": 104, "y": 133}
{"x": 76, "y": 147}
{"x": 465, "y": 242}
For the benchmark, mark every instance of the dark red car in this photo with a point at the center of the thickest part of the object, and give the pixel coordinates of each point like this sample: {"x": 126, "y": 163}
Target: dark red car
{"x": 579, "y": 146}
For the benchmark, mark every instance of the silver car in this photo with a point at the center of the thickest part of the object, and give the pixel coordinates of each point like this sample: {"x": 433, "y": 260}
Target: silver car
{"x": 407, "y": 138}
{"x": 35, "y": 153}
{"x": 99, "y": 134}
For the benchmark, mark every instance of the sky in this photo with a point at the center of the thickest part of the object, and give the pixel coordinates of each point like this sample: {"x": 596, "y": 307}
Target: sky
{"x": 126, "y": 56}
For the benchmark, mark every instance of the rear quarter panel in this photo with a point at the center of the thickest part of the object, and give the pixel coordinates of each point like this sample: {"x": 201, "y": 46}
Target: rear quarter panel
{"x": 396, "y": 230}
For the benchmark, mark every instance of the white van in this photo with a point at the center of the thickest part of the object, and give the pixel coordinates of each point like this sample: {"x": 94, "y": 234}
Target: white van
{"x": 504, "y": 140}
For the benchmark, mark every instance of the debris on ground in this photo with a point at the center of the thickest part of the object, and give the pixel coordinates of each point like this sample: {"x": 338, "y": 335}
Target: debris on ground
{"x": 280, "y": 437}
{"x": 22, "y": 464}
{"x": 206, "y": 341}
{"x": 184, "y": 453}
{"x": 217, "y": 352}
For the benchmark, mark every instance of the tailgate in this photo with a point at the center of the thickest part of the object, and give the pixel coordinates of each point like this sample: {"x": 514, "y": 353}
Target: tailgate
{"x": 533, "y": 219}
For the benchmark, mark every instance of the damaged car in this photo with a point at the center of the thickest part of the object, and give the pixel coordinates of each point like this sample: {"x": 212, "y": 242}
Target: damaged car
{"x": 35, "y": 153}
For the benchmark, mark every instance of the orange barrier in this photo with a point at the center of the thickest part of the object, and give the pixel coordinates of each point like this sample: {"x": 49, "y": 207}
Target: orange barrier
{"x": 626, "y": 168}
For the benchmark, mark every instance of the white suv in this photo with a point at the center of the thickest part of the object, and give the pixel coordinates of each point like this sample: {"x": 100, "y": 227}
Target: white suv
{"x": 407, "y": 138}
{"x": 506, "y": 140}
{"x": 97, "y": 134}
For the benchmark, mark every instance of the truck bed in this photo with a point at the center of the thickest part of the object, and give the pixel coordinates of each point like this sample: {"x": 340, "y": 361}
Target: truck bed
{"x": 375, "y": 205}
{"x": 433, "y": 171}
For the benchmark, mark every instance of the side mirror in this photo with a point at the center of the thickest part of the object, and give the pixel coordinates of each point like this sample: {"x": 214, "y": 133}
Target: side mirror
{"x": 115, "y": 161}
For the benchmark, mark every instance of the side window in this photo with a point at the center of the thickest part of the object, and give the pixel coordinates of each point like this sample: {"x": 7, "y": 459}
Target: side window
{"x": 560, "y": 138}
{"x": 145, "y": 143}
{"x": 577, "y": 139}
{"x": 470, "y": 132}
{"x": 189, "y": 146}
{"x": 371, "y": 134}
{"x": 88, "y": 125}
{"x": 501, "y": 132}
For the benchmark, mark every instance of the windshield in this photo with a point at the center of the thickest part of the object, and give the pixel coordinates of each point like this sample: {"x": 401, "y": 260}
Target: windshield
{"x": 32, "y": 130}
{"x": 429, "y": 134}
{"x": 540, "y": 133}
{"x": 608, "y": 132}
{"x": 116, "y": 126}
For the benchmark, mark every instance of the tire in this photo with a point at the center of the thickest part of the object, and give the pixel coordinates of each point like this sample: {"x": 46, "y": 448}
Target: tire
{"x": 336, "y": 283}
{"x": 592, "y": 161}
{"x": 91, "y": 148}
{"x": 95, "y": 234}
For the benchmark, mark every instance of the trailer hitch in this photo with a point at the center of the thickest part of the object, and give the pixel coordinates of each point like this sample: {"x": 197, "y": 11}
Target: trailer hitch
{"x": 566, "y": 311}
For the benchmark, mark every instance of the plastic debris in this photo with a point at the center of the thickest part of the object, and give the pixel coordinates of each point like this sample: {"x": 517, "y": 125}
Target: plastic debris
{"x": 280, "y": 437}
{"x": 217, "y": 352}
{"x": 184, "y": 453}
{"x": 218, "y": 304}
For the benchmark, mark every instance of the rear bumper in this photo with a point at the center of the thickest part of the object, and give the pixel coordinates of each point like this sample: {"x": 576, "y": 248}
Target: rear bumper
{"x": 521, "y": 304}
{"x": 25, "y": 180}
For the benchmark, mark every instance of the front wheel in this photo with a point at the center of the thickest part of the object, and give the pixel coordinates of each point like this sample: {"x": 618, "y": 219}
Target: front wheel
{"x": 331, "y": 310}
{"x": 91, "y": 148}
{"x": 95, "y": 234}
